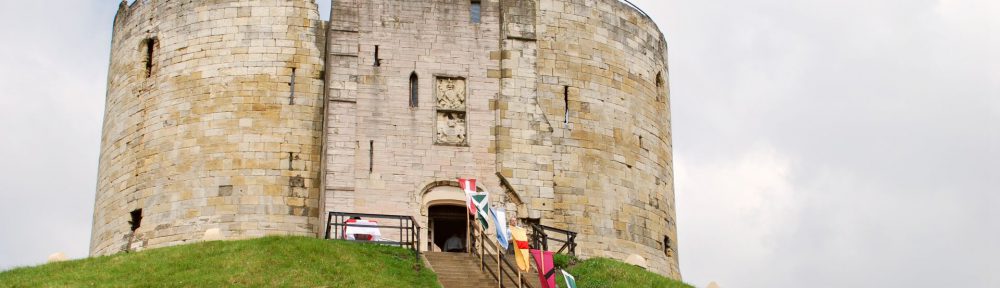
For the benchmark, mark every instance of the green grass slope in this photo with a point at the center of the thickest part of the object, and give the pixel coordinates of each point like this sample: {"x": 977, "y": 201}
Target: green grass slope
{"x": 607, "y": 273}
{"x": 264, "y": 262}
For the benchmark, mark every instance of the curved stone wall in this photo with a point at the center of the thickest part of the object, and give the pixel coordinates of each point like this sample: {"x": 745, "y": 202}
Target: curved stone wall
{"x": 584, "y": 125}
{"x": 204, "y": 127}
{"x": 606, "y": 64}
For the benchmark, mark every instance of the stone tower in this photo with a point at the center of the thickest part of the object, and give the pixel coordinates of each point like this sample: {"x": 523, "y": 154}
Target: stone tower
{"x": 212, "y": 120}
{"x": 559, "y": 107}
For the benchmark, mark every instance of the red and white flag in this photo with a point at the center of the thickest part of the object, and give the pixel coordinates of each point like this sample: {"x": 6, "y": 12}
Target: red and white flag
{"x": 469, "y": 186}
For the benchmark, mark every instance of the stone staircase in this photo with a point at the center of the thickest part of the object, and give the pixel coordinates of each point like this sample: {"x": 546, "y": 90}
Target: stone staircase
{"x": 461, "y": 270}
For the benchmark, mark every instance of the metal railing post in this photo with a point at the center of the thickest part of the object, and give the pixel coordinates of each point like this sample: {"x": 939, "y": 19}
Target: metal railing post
{"x": 520, "y": 280}
{"x": 468, "y": 234}
{"x": 545, "y": 241}
{"x": 328, "y": 219}
{"x": 499, "y": 270}
{"x": 482, "y": 255}
{"x": 418, "y": 241}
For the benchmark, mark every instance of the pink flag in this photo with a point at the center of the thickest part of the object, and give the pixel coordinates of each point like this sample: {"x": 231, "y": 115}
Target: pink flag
{"x": 546, "y": 271}
{"x": 469, "y": 186}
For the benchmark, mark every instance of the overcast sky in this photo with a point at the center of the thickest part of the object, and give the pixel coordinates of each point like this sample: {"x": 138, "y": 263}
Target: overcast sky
{"x": 817, "y": 143}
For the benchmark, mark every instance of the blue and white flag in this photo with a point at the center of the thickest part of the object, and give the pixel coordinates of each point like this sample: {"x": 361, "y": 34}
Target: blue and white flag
{"x": 500, "y": 221}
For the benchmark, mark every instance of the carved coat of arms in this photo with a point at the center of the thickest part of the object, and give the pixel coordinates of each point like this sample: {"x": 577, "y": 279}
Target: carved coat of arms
{"x": 451, "y": 115}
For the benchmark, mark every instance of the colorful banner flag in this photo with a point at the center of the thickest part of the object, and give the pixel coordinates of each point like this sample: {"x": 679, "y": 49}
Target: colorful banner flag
{"x": 500, "y": 220}
{"x": 482, "y": 203}
{"x": 469, "y": 186}
{"x": 570, "y": 280}
{"x": 546, "y": 271}
{"x": 521, "y": 253}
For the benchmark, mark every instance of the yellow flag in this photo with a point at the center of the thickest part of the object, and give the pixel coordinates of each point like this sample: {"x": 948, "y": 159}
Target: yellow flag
{"x": 521, "y": 248}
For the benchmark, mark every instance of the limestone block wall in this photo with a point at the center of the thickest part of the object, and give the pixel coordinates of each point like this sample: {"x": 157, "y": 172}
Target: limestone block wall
{"x": 567, "y": 99}
{"x": 383, "y": 153}
{"x": 525, "y": 142}
{"x": 213, "y": 120}
{"x": 602, "y": 70}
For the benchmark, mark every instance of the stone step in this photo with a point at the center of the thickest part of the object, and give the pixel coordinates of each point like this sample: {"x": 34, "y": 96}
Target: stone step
{"x": 446, "y": 267}
{"x": 461, "y": 270}
{"x": 456, "y": 263}
{"x": 449, "y": 261}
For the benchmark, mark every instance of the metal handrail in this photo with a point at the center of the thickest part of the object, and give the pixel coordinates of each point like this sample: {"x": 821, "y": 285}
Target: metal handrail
{"x": 540, "y": 239}
{"x": 409, "y": 230}
{"x": 504, "y": 269}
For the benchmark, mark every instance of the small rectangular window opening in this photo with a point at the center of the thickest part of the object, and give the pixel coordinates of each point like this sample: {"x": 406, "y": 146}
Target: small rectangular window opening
{"x": 566, "y": 105}
{"x": 290, "y": 161}
{"x": 150, "y": 45}
{"x": 291, "y": 84}
{"x": 476, "y": 11}
{"x": 660, "y": 93}
{"x": 668, "y": 248}
{"x": 377, "y": 61}
{"x": 136, "y": 220}
{"x": 413, "y": 90}
{"x": 371, "y": 156}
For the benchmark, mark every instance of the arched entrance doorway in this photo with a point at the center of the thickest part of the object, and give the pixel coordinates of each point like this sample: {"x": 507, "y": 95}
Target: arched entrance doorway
{"x": 448, "y": 225}
{"x": 447, "y": 216}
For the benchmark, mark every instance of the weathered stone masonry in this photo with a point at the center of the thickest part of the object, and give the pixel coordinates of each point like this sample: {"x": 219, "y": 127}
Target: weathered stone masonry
{"x": 566, "y": 100}
{"x": 211, "y": 138}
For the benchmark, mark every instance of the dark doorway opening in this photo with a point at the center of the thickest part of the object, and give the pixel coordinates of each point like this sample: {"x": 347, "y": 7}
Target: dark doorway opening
{"x": 447, "y": 221}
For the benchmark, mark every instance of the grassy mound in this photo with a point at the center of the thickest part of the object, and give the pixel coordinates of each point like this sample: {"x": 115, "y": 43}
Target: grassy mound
{"x": 264, "y": 262}
{"x": 607, "y": 273}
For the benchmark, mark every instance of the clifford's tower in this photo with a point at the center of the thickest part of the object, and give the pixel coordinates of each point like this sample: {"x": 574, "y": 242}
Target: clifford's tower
{"x": 255, "y": 117}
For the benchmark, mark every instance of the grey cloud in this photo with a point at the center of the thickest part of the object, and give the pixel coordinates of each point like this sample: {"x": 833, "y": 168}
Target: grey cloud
{"x": 818, "y": 143}
{"x": 886, "y": 112}
{"x": 52, "y": 74}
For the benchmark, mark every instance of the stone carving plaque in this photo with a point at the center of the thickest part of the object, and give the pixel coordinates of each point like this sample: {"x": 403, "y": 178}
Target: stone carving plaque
{"x": 451, "y": 128}
{"x": 451, "y": 93}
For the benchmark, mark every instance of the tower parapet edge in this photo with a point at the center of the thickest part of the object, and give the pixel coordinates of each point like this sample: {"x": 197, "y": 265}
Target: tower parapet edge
{"x": 202, "y": 128}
